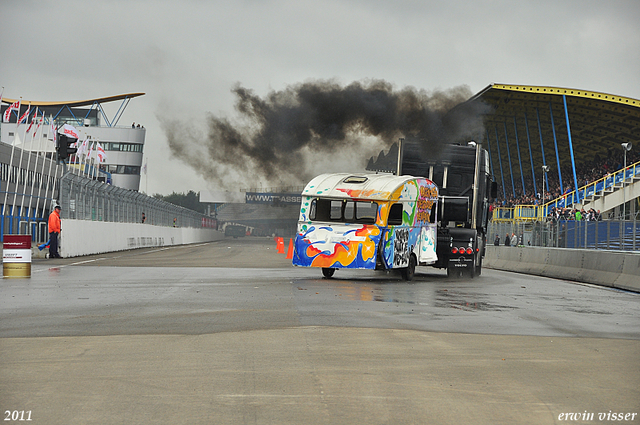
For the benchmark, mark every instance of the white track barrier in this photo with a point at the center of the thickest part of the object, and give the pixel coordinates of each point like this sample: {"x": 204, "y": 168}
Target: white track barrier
{"x": 617, "y": 269}
{"x": 84, "y": 237}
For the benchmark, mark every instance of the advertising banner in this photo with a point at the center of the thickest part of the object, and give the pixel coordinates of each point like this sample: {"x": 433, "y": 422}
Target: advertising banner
{"x": 273, "y": 198}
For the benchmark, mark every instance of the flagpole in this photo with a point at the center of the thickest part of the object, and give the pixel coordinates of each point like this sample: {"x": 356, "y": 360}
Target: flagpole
{"x": 35, "y": 167}
{"x": 3, "y": 205}
{"x": 52, "y": 160}
{"x": 15, "y": 194}
{"x": 24, "y": 145}
{"x": 87, "y": 161}
{"x": 44, "y": 158}
{"x": 94, "y": 166}
{"x": 13, "y": 148}
{"x": 72, "y": 161}
{"x": 46, "y": 187}
{"x": 82, "y": 156}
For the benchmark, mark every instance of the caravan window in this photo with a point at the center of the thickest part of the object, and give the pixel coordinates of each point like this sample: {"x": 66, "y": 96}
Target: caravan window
{"x": 395, "y": 215}
{"x": 343, "y": 211}
{"x": 365, "y": 212}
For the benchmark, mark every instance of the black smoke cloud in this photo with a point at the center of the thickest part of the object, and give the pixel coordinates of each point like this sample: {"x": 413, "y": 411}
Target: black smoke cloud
{"x": 279, "y": 138}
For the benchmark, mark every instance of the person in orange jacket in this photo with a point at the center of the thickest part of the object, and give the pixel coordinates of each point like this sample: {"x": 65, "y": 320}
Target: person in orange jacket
{"x": 54, "y": 232}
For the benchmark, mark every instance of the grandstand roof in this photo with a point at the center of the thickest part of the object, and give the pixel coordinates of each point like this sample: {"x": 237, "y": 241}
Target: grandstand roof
{"x": 523, "y": 115}
{"x": 76, "y": 103}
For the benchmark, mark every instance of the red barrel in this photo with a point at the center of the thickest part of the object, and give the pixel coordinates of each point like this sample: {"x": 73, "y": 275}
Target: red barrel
{"x": 16, "y": 256}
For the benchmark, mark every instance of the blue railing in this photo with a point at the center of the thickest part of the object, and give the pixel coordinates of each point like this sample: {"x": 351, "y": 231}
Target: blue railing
{"x": 597, "y": 188}
{"x": 618, "y": 235}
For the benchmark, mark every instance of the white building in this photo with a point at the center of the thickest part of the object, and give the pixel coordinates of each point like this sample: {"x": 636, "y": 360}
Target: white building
{"x": 123, "y": 145}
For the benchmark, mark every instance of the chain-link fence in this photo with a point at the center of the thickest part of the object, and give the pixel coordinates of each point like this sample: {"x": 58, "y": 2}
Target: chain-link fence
{"x": 608, "y": 234}
{"x": 85, "y": 199}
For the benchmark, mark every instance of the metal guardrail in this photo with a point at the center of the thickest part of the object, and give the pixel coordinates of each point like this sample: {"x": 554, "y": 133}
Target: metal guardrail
{"x": 608, "y": 234}
{"x": 82, "y": 198}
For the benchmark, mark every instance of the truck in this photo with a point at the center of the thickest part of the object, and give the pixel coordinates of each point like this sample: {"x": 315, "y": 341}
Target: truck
{"x": 399, "y": 221}
{"x": 235, "y": 230}
{"x": 462, "y": 173}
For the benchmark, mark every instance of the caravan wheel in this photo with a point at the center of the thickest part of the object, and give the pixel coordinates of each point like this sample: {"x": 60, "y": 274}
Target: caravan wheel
{"x": 409, "y": 272}
{"x": 328, "y": 273}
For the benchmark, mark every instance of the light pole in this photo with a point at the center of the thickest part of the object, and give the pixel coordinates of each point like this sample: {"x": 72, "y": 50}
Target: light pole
{"x": 625, "y": 147}
{"x": 545, "y": 169}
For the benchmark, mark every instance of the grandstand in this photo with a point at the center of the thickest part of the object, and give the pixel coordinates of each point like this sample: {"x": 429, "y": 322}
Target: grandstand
{"x": 577, "y": 135}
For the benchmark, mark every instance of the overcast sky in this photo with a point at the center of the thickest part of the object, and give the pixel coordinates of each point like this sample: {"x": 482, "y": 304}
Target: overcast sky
{"x": 188, "y": 55}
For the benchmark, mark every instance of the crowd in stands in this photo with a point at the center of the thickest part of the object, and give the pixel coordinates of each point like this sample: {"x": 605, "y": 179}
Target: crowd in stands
{"x": 556, "y": 214}
{"x": 587, "y": 173}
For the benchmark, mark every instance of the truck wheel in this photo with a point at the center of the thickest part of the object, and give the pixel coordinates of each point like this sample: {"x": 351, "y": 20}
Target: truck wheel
{"x": 410, "y": 270}
{"x": 328, "y": 273}
{"x": 479, "y": 267}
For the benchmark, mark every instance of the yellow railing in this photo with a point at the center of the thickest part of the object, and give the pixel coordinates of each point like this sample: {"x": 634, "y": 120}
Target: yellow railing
{"x": 517, "y": 213}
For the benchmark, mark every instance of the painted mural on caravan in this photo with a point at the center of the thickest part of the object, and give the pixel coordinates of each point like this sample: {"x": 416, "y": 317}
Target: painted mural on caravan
{"x": 367, "y": 221}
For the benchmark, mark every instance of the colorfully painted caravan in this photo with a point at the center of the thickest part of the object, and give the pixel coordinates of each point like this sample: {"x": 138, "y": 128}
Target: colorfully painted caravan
{"x": 367, "y": 221}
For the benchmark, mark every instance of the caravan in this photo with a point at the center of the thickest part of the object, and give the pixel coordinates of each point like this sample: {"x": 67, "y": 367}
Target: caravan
{"x": 367, "y": 221}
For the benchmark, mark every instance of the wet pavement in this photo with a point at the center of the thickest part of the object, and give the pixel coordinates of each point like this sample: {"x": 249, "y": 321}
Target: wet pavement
{"x": 96, "y": 296}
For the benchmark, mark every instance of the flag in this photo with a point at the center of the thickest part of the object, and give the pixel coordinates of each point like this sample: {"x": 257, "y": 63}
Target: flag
{"x": 144, "y": 167}
{"x": 24, "y": 116}
{"x": 82, "y": 149}
{"x": 39, "y": 122}
{"x": 74, "y": 157}
{"x": 69, "y": 131}
{"x": 91, "y": 149}
{"x": 34, "y": 119}
{"x": 52, "y": 131}
{"x": 102, "y": 156}
{"x": 15, "y": 106}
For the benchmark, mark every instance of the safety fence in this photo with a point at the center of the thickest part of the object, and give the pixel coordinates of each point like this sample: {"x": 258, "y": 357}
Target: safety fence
{"x": 28, "y": 185}
{"x": 86, "y": 199}
{"x": 83, "y": 198}
{"x": 609, "y": 234}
